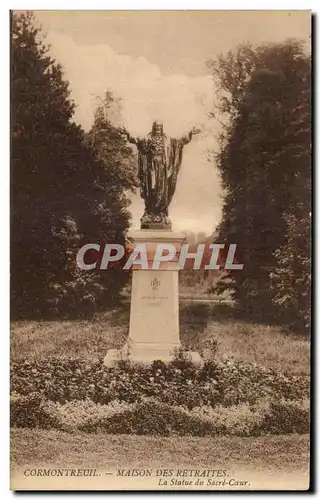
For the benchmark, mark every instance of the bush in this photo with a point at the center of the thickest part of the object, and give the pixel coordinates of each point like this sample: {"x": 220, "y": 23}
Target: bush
{"x": 30, "y": 411}
{"x": 240, "y": 382}
{"x": 150, "y": 417}
{"x": 77, "y": 414}
{"x": 286, "y": 417}
{"x": 227, "y": 382}
{"x": 238, "y": 420}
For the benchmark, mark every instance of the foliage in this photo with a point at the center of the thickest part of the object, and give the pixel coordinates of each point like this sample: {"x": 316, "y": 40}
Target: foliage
{"x": 63, "y": 194}
{"x": 176, "y": 398}
{"x": 30, "y": 411}
{"x": 152, "y": 417}
{"x": 76, "y": 414}
{"x": 286, "y": 417}
{"x": 291, "y": 278}
{"x": 263, "y": 104}
{"x": 224, "y": 382}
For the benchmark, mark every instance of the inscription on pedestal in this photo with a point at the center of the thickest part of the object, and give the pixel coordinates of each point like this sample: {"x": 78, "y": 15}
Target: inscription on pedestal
{"x": 154, "y": 312}
{"x": 154, "y": 300}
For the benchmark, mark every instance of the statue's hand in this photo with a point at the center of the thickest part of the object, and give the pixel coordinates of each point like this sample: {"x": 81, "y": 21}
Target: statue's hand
{"x": 195, "y": 131}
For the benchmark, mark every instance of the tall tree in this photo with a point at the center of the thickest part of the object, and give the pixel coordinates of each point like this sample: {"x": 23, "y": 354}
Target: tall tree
{"x": 290, "y": 282}
{"x": 61, "y": 194}
{"x": 263, "y": 158}
{"x": 116, "y": 178}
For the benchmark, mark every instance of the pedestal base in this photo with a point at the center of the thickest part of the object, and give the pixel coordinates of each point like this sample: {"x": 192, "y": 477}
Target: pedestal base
{"x": 152, "y": 221}
{"x": 146, "y": 354}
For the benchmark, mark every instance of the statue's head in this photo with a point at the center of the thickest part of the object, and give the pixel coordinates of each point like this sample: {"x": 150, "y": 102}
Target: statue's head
{"x": 157, "y": 128}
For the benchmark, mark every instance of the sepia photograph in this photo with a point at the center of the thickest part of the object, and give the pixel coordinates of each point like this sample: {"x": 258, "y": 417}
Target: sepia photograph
{"x": 160, "y": 250}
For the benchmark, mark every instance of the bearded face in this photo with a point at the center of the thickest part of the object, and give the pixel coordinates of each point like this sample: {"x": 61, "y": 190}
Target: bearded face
{"x": 157, "y": 128}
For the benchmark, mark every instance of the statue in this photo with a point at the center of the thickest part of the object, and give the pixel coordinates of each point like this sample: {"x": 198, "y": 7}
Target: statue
{"x": 159, "y": 162}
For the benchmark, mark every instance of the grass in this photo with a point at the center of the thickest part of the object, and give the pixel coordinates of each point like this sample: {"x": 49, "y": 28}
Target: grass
{"x": 76, "y": 338}
{"x": 266, "y": 345}
{"x": 270, "y": 459}
{"x": 28, "y": 446}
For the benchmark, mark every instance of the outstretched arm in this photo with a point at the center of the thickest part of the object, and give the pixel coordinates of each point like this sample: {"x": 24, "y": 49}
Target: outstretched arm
{"x": 187, "y": 138}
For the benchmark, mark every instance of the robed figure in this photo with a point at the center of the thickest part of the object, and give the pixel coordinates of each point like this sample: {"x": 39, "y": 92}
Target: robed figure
{"x": 159, "y": 161}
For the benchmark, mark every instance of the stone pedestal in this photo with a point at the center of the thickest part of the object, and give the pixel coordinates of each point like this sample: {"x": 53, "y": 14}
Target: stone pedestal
{"x": 154, "y": 311}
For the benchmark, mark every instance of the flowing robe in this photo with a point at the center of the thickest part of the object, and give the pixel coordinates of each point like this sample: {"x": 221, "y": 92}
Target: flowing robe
{"x": 159, "y": 162}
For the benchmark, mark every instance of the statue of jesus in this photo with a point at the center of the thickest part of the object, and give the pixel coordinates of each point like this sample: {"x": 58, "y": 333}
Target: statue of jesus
{"x": 159, "y": 161}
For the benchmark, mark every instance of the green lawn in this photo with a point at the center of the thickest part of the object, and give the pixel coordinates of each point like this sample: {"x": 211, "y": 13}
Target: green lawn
{"x": 28, "y": 446}
{"x": 268, "y": 457}
{"x": 77, "y": 338}
{"x": 263, "y": 344}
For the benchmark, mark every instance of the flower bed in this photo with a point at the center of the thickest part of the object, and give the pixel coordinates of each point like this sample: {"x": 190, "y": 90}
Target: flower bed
{"x": 223, "y": 397}
{"x": 154, "y": 418}
{"x": 179, "y": 383}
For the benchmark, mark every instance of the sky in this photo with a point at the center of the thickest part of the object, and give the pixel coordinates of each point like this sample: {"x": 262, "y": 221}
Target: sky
{"x": 155, "y": 62}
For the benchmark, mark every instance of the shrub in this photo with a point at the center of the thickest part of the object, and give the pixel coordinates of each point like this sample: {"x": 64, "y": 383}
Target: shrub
{"x": 150, "y": 417}
{"x": 227, "y": 382}
{"x": 239, "y": 420}
{"x": 30, "y": 411}
{"x": 240, "y": 382}
{"x": 210, "y": 349}
{"x": 77, "y": 414}
{"x": 183, "y": 361}
{"x": 286, "y": 417}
